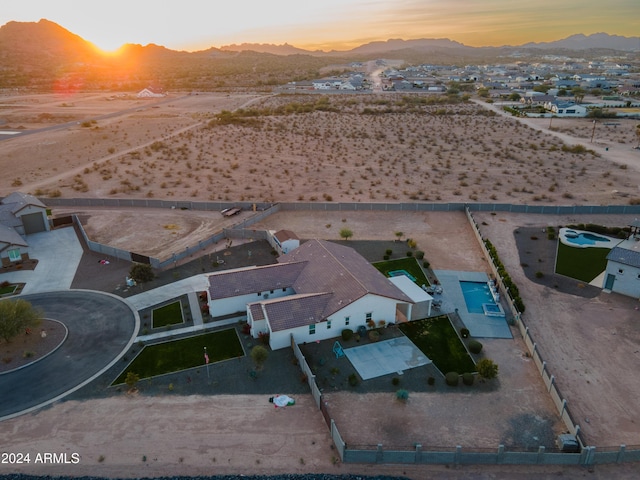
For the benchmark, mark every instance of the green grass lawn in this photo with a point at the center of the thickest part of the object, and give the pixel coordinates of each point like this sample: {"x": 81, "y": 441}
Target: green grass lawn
{"x": 438, "y": 340}
{"x": 182, "y": 354}
{"x": 8, "y": 289}
{"x": 409, "y": 264}
{"x": 583, "y": 264}
{"x": 170, "y": 314}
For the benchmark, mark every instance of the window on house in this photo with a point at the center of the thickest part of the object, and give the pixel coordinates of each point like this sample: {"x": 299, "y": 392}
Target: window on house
{"x": 346, "y": 320}
{"x": 620, "y": 271}
{"x": 312, "y": 329}
{"x": 270, "y": 291}
{"x": 284, "y": 289}
{"x": 14, "y": 255}
{"x": 259, "y": 293}
{"x": 571, "y": 110}
{"x": 368, "y": 316}
{"x": 328, "y": 324}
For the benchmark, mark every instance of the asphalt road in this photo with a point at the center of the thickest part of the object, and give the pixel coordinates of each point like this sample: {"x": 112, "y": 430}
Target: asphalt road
{"x": 101, "y": 328}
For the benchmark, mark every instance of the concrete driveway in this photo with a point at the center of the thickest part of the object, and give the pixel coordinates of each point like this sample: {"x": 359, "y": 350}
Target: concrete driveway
{"x": 58, "y": 253}
{"x": 101, "y": 328}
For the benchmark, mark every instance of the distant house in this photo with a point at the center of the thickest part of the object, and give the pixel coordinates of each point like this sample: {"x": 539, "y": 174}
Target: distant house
{"x": 150, "y": 92}
{"x": 566, "y": 109}
{"x": 313, "y": 293}
{"x": 21, "y": 214}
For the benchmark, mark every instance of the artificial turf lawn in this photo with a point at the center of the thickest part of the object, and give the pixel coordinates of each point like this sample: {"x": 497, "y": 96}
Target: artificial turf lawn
{"x": 170, "y": 314}
{"x": 409, "y": 264}
{"x": 583, "y": 264}
{"x": 438, "y": 340}
{"x": 179, "y": 355}
{"x": 8, "y": 289}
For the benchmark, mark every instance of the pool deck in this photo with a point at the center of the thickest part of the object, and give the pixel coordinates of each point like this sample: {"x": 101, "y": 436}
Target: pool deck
{"x": 479, "y": 325}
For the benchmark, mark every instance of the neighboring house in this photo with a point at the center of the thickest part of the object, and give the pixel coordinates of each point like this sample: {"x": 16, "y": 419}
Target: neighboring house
{"x": 13, "y": 248}
{"x": 313, "y": 293}
{"x": 283, "y": 241}
{"x": 20, "y": 214}
{"x": 566, "y": 109}
{"x": 150, "y": 92}
{"x": 622, "y": 274}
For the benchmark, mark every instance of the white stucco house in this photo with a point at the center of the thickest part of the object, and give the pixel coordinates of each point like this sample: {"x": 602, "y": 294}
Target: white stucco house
{"x": 150, "y": 92}
{"x": 313, "y": 293}
{"x": 20, "y": 214}
{"x": 283, "y": 241}
{"x": 622, "y": 274}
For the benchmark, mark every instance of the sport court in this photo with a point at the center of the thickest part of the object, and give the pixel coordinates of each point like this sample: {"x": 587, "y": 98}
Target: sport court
{"x": 385, "y": 357}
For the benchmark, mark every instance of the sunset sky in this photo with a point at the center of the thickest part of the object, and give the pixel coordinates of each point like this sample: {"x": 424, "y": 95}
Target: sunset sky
{"x": 328, "y": 24}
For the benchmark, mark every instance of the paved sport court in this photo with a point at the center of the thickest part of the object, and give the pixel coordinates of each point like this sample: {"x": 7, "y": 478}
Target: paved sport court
{"x": 382, "y": 358}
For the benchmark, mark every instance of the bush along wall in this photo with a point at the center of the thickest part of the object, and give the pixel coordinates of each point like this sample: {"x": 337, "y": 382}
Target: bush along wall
{"x": 514, "y": 293}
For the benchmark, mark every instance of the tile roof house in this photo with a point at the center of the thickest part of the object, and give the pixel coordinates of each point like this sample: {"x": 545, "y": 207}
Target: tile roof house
{"x": 21, "y": 214}
{"x": 313, "y": 293}
{"x": 283, "y": 241}
{"x": 622, "y": 274}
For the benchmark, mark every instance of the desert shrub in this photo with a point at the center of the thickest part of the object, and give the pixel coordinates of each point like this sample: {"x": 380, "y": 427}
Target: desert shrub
{"x": 419, "y": 254}
{"x": 464, "y": 332}
{"x": 452, "y": 379}
{"x": 487, "y": 369}
{"x": 353, "y": 380}
{"x": 412, "y": 243}
{"x": 431, "y": 381}
{"x": 475, "y": 346}
{"x": 426, "y": 264}
{"x": 551, "y": 235}
{"x": 371, "y": 323}
{"x": 402, "y": 395}
{"x": 388, "y": 251}
{"x": 385, "y": 257}
{"x": 467, "y": 378}
{"x": 409, "y": 253}
{"x": 141, "y": 272}
{"x": 395, "y": 381}
{"x": 347, "y": 334}
{"x": 246, "y": 328}
{"x": 374, "y": 335}
{"x": 539, "y": 274}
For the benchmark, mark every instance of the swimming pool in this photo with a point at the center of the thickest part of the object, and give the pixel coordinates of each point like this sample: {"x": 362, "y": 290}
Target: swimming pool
{"x": 476, "y": 294}
{"x": 584, "y": 238}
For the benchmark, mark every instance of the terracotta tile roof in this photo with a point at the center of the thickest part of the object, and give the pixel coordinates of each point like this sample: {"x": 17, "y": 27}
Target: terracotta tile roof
{"x": 294, "y": 311}
{"x": 256, "y": 311}
{"x": 284, "y": 235}
{"x": 233, "y": 283}
{"x": 340, "y": 270}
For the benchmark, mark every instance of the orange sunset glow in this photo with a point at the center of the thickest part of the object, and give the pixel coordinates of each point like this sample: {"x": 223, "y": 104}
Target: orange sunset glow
{"x": 195, "y": 25}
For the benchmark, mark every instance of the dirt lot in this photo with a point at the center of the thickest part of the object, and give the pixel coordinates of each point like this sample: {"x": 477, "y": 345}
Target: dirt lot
{"x": 349, "y": 149}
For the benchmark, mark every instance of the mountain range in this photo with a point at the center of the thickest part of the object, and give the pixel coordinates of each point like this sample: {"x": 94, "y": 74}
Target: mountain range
{"x": 45, "y": 56}
{"x": 49, "y": 36}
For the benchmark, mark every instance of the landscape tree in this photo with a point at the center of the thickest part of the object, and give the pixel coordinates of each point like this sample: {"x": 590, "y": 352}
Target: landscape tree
{"x": 399, "y": 235}
{"x": 132, "y": 380}
{"x": 141, "y": 272}
{"x": 346, "y": 233}
{"x": 487, "y": 369}
{"x": 259, "y": 355}
{"x": 578, "y": 94}
{"x": 514, "y": 97}
{"x": 17, "y": 316}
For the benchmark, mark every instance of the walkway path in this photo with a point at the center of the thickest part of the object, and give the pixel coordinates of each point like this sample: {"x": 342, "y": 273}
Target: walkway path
{"x": 613, "y": 153}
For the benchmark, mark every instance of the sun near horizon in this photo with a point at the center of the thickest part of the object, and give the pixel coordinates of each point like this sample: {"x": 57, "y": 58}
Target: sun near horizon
{"x": 194, "y": 25}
